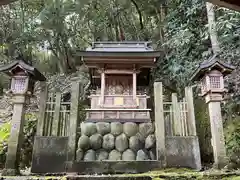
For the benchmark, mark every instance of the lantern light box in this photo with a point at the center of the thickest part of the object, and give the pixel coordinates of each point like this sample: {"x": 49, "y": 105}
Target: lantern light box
{"x": 23, "y": 77}
{"x": 211, "y": 76}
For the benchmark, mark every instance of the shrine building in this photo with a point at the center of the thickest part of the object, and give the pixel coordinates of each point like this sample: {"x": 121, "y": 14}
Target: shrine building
{"x": 120, "y": 74}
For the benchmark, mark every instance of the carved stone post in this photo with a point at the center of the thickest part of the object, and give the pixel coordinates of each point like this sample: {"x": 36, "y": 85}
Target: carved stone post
{"x": 190, "y": 112}
{"x": 73, "y": 123}
{"x": 16, "y": 136}
{"x": 218, "y": 142}
{"x": 42, "y": 108}
{"x": 159, "y": 123}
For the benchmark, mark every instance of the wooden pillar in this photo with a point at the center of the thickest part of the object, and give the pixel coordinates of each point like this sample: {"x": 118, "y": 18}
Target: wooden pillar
{"x": 16, "y": 136}
{"x": 191, "y": 123}
{"x": 135, "y": 86}
{"x": 56, "y": 117}
{"x": 42, "y": 108}
{"x": 73, "y": 122}
{"x": 159, "y": 123}
{"x": 102, "y": 87}
{"x": 176, "y": 115}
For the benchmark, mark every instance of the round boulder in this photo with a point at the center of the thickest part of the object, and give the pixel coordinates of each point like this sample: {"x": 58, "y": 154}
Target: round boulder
{"x": 141, "y": 155}
{"x": 116, "y": 128}
{"x": 83, "y": 142}
{"x": 140, "y": 137}
{"x": 128, "y": 155}
{"x": 96, "y": 141}
{"x": 146, "y": 129}
{"x": 135, "y": 143}
{"x": 114, "y": 155}
{"x": 121, "y": 142}
{"x": 88, "y": 129}
{"x": 79, "y": 155}
{"x": 101, "y": 155}
{"x": 150, "y": 141}
{"x": 103, "y": 128}
{"x": 90, "y": 155}
{"x": 130, "y": 129}
{"x": 108, "y": 142}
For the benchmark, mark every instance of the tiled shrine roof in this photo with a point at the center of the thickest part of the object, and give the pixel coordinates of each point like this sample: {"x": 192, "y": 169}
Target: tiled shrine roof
{"x": 124, "y": 46}
{"x": 119, "y": 49}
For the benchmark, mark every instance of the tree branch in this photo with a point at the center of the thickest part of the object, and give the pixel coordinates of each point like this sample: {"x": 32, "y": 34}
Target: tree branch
{"x": 139, "y": 14}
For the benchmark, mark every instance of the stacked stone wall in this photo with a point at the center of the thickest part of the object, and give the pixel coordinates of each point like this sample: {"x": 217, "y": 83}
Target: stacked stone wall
{"x": 116, "y": 141}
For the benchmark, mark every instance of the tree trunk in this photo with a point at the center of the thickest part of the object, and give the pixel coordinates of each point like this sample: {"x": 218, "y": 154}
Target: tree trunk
{"x": 161, "y": 12}
{"x": 212, "y": 28}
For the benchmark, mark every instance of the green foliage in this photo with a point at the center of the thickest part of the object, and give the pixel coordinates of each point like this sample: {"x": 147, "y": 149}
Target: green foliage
{"x": 5, "y": 131}
{"x": 232, "y": 135}
{"x": 4, "y": 135}
{"x": 186, "y": 41}
{"x": 26, "y": 150}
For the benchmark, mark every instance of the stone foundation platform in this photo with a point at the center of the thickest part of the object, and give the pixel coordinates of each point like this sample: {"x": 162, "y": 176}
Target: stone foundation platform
{"x": 115, "y": 167}
{"x": 115, "y": 141}
{"x": 110, "y": 148}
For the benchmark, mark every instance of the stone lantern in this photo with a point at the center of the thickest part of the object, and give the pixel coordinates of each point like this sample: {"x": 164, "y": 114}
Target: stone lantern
{"x": 211, "y": 76}
{"x": 23, "y": 77}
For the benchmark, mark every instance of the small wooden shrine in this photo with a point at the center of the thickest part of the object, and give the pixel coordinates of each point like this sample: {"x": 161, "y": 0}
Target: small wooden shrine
{"x": 120, "y": 73}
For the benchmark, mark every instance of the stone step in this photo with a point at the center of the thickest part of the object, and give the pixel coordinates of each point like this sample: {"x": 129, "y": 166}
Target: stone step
{"x": 108, "y": 178}
{"x": 100, "y": 177}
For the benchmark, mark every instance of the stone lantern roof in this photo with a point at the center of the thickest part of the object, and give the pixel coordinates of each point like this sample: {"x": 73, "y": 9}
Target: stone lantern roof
{"x": 214, "y": 63}
{"x": 12, "y": 68}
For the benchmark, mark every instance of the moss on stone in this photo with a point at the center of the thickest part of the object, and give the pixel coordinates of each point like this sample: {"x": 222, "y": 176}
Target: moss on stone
{"x": 188, "y": 174}
{"x": 164, "y": 174}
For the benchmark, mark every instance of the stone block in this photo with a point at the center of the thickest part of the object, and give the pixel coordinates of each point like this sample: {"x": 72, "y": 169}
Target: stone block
{"x": 103, "y": 128}
{"x": 115, "y": 155}
{"x": 141, "y": 137}
{"x": 128, "y": 155}
{"x": 90, "y": 155}
{"x": 114, "y": 167}
{"x": 121, "y": 142}
{"x": 130, "y": 129}
{"x": 150, "y": 141}
{"x": 52, "y": 150}
{"x": 108, "y": 142}
{"x": 146, "y": 129}
{"x": 83, "y": 142}
{"x": 101, "y": 155}
{"x": 88, "y": 129}
{"x": 135, "y": 143}
{"x": 96, "y": 141}
{"x": 183, "y": 152}
{"x": 116, "y": 128}
{"x": 142, "y": 155}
